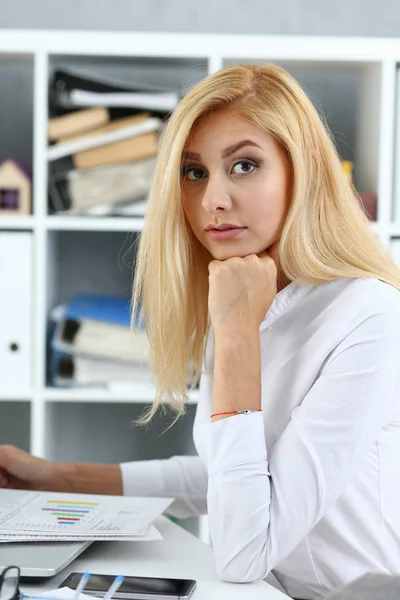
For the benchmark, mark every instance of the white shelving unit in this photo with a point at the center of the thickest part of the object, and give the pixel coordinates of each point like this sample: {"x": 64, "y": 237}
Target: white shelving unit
{"x": 364, "y": 124}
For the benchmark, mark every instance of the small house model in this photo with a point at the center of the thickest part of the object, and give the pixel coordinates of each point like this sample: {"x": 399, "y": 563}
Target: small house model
{"x": 15, "y": 188}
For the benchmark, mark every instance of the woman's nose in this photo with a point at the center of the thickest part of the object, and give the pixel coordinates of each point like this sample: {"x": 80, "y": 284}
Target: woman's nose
{"x": 216, "y": 196}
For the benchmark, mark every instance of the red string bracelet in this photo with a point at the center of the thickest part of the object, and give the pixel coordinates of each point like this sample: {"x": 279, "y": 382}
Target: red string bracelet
{"x": 245, "y": 411}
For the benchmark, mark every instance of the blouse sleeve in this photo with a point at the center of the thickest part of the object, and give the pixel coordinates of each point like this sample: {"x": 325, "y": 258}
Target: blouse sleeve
{"x": 181, "y": 477}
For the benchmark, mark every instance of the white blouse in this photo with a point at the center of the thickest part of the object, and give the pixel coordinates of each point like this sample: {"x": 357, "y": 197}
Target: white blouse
{"x": 306, "y": 490}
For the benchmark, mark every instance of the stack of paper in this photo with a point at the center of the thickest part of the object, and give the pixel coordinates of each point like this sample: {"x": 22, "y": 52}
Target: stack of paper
{"x": 48, "y": 516}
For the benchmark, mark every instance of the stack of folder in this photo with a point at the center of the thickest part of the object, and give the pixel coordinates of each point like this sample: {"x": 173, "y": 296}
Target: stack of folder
{"x": 103, "y": 140}
{"x": 93, "y": 343}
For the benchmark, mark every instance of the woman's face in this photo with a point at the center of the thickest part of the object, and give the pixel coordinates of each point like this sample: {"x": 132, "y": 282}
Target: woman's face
{"x": 234, "y": 175}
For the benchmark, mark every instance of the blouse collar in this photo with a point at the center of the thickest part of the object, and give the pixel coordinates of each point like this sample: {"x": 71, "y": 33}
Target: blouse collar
{"x": 283, "y": 300}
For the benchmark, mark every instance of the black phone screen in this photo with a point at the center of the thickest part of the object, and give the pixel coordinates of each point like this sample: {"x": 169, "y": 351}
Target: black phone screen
{"x": 134, "y": 587}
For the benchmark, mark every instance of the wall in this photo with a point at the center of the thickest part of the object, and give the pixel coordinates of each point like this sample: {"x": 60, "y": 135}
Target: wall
{"x": 302, "y": 17}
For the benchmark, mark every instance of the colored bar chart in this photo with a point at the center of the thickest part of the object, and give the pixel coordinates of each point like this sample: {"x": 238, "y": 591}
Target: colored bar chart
{"x": 69, "y": 513}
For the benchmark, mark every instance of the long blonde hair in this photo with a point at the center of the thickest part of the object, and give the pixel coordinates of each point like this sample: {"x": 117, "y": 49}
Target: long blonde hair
{"x": 326, "y": 234}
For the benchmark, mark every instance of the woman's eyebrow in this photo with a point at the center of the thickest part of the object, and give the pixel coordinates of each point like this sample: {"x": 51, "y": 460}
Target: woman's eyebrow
{"x": 225, "y": 153}
{"x": 231, "y": 149}
{"x": 190, "y": 155}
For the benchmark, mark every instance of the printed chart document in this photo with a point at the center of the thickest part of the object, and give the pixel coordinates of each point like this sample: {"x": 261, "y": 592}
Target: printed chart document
{"x": 29, "y": 514}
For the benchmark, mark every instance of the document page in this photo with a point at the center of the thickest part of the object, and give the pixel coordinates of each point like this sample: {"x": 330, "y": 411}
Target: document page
{"x": 77, "y": 516}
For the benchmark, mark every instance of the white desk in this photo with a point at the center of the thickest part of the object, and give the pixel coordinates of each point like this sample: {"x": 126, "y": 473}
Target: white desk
{"x": 179, "y": 554}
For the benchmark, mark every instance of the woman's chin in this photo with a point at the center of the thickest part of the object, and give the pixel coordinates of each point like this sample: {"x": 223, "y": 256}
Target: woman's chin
{"x": 225, "y": 253}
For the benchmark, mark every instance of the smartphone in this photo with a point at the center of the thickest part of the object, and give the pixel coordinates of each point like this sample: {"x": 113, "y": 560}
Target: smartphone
{"x": 135, "y": 588}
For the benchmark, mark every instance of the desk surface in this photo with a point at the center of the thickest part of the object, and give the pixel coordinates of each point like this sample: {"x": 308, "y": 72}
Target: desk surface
{"x": 179, "y": 554}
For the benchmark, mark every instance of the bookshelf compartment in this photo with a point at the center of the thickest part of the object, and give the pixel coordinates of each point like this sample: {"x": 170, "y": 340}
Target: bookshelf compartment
{"x": 16, "y": 136}
{"x": 174, "y": 74}
{"x": 16, "y": 107}
{"x": 106, "y": 433}
{"x": 89, "y": 262}
{"x": 354, "y": 120}
{"x": 15, "y": 426}
{"x": 114, "y": 122}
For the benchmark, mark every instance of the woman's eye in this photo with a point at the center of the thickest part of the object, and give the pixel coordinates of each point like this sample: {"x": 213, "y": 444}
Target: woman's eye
{"x": 193, "y": 173}
{"x": 243, "y": 167}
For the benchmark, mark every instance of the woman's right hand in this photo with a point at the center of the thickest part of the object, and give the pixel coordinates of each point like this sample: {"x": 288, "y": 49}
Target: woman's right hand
{"x": 20, "y": 470}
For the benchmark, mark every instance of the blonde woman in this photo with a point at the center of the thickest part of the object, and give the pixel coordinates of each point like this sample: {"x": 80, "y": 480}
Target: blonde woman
{"x": 256, "y": 250}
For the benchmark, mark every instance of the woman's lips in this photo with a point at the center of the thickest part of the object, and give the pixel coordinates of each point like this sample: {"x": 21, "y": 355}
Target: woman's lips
{"x": 225, "y": 234}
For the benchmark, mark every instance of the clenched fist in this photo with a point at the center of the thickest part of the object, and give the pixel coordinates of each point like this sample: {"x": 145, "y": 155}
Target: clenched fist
{"x": 241, "y": 291}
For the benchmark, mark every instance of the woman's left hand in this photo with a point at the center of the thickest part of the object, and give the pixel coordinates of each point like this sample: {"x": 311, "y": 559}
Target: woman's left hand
{"x": 241, "y": 291}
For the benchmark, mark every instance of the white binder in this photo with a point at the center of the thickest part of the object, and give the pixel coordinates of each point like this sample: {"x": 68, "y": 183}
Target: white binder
{"x": 395, "y": 251}
{"x": 15, "y": 312}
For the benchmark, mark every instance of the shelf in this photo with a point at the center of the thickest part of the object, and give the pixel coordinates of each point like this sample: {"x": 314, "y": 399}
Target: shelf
{"x": 139, "y": 394}
{"x": 16, "y": 396}
{"x": 17, "y": 223}
{"x": 394, "y": 229}
{"x": 94, "y": 223}
{"x": 198, "y": 45}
